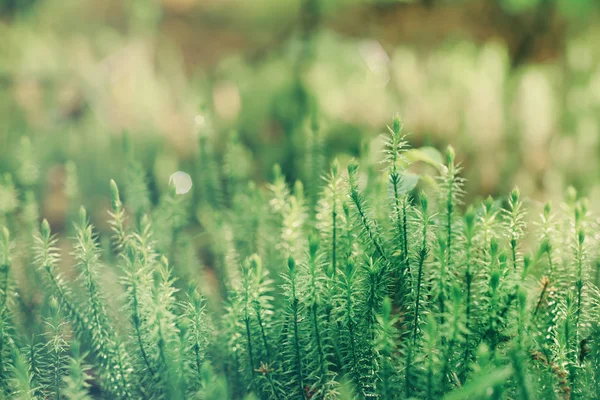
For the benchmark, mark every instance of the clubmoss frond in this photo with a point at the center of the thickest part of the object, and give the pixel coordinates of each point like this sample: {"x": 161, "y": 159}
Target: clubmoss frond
{"x": 294, "y": 218}
{"x": 314, "y": 163}
{"x": 6, "y": 326}
{"x": 451, "y": 193}
{"x": 330, "y": 219}
{"x": 431, "y": 362}
{"x": 22, "y": 387}
{"x": 55, "y": 363}
{"x": 46, "y": 259}
{"x": 213, "y": 386}
{"x": 386, "y": 346}
{"x": 109, "y": 350}
{"x": 197, "y": 335}
{"x": 395, "y": 146}
{"x": 423, "y": 254}
{"x": 319, "y": 366}
{"x": 76, "y": 381}
{"x": 469, "y": 227}
{"x": 515, "y": 224}
{"x": 369, "y": 228}
{"x": 294, "y": 341}
{"x": 548, "y": 240}
{"x": 356, "y": 347}
{"x": 166, "y": 335}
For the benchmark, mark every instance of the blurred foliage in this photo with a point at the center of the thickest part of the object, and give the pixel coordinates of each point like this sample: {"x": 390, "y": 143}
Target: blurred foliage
{"x": 513, "y": 84}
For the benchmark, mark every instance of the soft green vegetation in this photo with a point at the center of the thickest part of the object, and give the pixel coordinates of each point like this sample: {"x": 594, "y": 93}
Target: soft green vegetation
{"x": 512, "y": 84}
{"x": 371, "y": 281}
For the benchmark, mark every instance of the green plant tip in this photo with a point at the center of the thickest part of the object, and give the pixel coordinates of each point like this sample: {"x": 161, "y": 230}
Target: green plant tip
{"x": 114, "y": 195}
{"x": 291, "y": 264}
{"x": 494, "y": 247}
{"x": 489, "y": 204}
{"x": 277, "y": 174}
{"x": 424, "y": 201}
{"x": 256, "y": 264}
{"x": 352, "y": 168}
{"x": 396, "y": 125}
{"x": 346, "y": 210}
{"x": 514, "y": 196}
{"x": 494, "y": 279}
{"x": 335, "y": 167}
{"x": 547, "y": 210}
{"x": 527, "y": 260}
{"x": 45, "y": 229}
{"x": 349, "y": 268}
{"x": 470, "y": 217}
{"x": 450, "y": 155}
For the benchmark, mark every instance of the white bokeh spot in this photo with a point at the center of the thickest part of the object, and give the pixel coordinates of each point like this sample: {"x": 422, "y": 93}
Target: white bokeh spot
{"x": 181, "y": 181}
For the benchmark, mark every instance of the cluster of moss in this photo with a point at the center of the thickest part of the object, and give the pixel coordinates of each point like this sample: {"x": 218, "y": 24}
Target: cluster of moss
{"x": 368, "y": 284}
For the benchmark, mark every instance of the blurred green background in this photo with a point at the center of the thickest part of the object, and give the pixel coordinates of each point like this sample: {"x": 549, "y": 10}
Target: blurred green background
{"x": 513, "y": 85}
